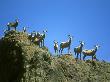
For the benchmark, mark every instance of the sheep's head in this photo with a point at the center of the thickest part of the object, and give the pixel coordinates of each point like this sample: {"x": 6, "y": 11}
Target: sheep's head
{"x": 37, "y": 33}
{"x": 55, "y": 42}
{"x": 97, "y": 46}
{"x": 70, "y": 37}
{"x": 34, "y": 32}
{"x": 44, "y": 31}
{"x": 82, "y": 43}
{"x": 25, "y": 27}
{"x": 17, "y": 20}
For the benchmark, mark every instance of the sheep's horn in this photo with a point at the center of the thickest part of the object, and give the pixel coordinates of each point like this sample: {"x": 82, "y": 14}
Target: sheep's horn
{"x": 94, "y": 45}
{"x": 54, "y": 40}
{"x": 16, "y": 19}
{"x": 97, "y": 45}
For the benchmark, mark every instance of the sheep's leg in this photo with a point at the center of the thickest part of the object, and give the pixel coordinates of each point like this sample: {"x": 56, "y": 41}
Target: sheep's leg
{"x": 38, "y": 43}
{"x": 84, "y": 57}
{"x": 15, "y": 28}
{"x": 92, "y": 57}
{"x": 8, "y": 28}
{"x": 80, "y": 56}
{"x": 55, "y": 51}
{"x": 43, "y": 42}
{"x": 77, "y": 55}
{"x": 61, "y": 50}
{"x": 68, "y": 50}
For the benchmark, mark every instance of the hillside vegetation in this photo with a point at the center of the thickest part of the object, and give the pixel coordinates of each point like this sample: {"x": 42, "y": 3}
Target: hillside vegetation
{"x": 23, "y": 61}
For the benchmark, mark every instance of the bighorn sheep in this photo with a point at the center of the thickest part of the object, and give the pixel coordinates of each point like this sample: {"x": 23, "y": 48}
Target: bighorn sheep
{"x": 12, "y": 24}
{"x": 78, "y": 50}
{"x": 31, "y": 37}
{"x": 66, "y": 44}
{"x": 55, "y": 46}
{"x": 38, "y": 39}
{"x": 91, "y": 52}
{"x": 24, "y": 29}
{"x": 43, "y": 37}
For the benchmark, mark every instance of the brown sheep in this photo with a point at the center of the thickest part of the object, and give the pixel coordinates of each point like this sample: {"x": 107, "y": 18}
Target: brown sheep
{"x": 65, "y": 44}
{"x": 55, "y": 46}
{"x": 91, "y": 52}
{"x": 78, "y": 50}
{"x": 12, "y": 24}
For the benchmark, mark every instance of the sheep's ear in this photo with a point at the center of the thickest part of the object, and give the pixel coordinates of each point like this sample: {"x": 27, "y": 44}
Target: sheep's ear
{"x": 98, "y": 45}
{"x": 46, "y": 30}
{"x": 69, "y": 35}
{"x": 83, "y": 42}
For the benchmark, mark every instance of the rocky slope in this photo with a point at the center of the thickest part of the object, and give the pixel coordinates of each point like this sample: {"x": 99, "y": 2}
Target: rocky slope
{"x": 23, "y": 61}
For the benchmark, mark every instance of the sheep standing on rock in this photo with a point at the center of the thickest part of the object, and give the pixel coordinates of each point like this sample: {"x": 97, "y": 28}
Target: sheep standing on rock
{"x": 55, "y": 46}
{"x": 91, "y": 52}
{"x": 31, "y": 36}
{"x": 66, "y": 44}
{"x": 24, "y": 29}
{"x": 78, "y": 50}
{"x": 43, "y": 37}
{"x": 12, "y": 24}
{"x": 38, "y": 39}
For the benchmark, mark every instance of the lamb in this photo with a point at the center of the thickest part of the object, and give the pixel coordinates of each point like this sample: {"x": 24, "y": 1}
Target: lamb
{"x": 12, "y": 24}
{"x": 65, "y": 44}
{"x": 91, "y": 52}
{"x": 55, "y": 46}
{"x": 78, "y": 50}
